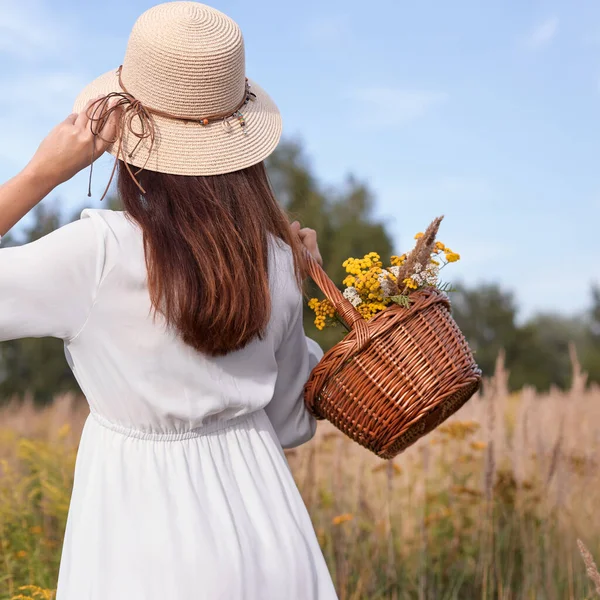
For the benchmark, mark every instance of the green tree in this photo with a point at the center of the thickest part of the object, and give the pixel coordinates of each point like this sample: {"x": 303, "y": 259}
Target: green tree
{"x": 591, "y": 353}
{"x": 540, "y": 355}
{"x": 297, "y": 189}
{"x": 537, "y": 352}
{"x": 487, "y": 317}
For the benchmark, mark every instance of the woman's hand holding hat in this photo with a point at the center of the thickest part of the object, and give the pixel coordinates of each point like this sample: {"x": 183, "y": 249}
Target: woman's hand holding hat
{"x": 67, "y": 149}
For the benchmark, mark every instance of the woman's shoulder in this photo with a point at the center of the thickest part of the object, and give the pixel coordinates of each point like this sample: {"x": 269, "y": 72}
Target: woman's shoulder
{"x": 116, "y": 221}
{"x": 118, "y": 236}
{"x": 119, "y": 232}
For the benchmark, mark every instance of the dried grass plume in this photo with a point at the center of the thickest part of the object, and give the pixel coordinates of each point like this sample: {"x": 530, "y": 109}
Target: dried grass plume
{"x": 590, "y": 565}
{"x": 422, "y": 251}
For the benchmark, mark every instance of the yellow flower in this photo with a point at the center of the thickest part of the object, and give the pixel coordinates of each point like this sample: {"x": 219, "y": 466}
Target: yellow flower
{"x": 434, "y": 262}
{"x": 352, "y": 266}
{"x": 323, "y": 309}
{"x": 410, "y": 283}
{"x": 440, "y": 246}
{"x": 419, "y": 235}
{"x": 385, "y": 466}
{"x": 36, "y": 592}
{"x": 397, "y": 261}
{"x": 459, "y": 430}
{"x": 452, "y": 256}
{"x": 21, "y": 554}
{"x": 461, "y": 489}
{"x": 478, "y": 445}
{"x": 342, "y": 518}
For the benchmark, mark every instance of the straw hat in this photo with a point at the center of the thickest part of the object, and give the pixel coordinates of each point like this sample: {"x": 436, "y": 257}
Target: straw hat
{"x": 186, "y": 60}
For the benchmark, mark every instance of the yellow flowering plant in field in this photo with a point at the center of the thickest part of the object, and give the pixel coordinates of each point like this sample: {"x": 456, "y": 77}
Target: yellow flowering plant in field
{"x": 371, "y": 287}
{"x": 34, "y": 593}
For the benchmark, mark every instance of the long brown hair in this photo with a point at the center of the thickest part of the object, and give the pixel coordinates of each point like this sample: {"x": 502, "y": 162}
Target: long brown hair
{"x": 206, "y": 249}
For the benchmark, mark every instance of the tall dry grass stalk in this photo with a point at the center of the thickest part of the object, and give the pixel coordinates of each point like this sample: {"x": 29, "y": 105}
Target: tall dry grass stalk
{"x": 579, "y": 376}
{"x": 494, "y": 396}
{"x": 425, "y": 455}
{"x": 590, "y": 565}
{"x": 391, "y": 559}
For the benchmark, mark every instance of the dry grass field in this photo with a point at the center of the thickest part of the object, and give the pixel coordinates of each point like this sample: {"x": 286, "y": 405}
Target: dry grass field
{"x": 489, "y": 506}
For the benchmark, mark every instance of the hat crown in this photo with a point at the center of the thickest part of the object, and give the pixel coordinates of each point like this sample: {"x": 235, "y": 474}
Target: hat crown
{"x": 187, "y": 59}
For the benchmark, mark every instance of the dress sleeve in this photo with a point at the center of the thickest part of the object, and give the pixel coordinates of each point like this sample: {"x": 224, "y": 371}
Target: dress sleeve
{"x": 47, "y": 287}
{"x": 296, "y": 357}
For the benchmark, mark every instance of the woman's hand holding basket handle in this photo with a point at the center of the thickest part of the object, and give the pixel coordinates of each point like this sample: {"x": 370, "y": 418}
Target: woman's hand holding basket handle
{"x": 308, "y": 237}
{"x": 349, "y": 315}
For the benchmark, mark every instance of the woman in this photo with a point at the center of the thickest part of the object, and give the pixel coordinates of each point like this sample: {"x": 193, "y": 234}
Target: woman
{"x": 182, "y": 322}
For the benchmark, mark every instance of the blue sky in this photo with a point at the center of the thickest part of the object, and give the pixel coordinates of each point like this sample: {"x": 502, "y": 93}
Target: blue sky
{"x": 487, "y": 112}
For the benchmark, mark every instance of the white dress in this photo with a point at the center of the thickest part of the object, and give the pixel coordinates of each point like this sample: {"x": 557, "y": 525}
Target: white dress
{"x": 181, "y": 486}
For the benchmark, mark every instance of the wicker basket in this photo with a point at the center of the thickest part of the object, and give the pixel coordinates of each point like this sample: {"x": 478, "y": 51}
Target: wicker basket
{"x": 396, "y": 377}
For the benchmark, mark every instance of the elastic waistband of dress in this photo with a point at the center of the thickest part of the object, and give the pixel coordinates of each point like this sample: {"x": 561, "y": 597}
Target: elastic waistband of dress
{"x": 211, "y": 428}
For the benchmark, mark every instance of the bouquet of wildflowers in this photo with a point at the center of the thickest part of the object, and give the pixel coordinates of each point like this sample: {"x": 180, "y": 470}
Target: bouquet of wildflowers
{"x": 371, "y": 288}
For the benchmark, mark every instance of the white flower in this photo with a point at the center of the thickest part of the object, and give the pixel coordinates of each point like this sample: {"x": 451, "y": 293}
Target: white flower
{"x": 418, "y": 268}
{"x": 387, "y": 287}
{"x": 419, "y": 278}
{"x": 432, "y": 274}
{"x": 351, "y": 294}
{"x": 395, "y": 271}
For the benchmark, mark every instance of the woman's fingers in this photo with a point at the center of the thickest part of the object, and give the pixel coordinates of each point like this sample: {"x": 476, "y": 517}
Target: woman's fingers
{"x": 111, "y": 128}
{"x": 70, "y": 120}
{"x": 83, "y": 120}
{"x": 108, "y": 134}
{"x": 309, "y": 239}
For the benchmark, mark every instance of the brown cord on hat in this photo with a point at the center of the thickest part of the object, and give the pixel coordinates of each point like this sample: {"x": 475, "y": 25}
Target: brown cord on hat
{"x": 131, "y": 108}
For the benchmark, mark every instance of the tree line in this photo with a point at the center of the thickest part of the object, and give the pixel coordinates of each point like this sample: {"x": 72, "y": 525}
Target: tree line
{"x": 536, "y": 351}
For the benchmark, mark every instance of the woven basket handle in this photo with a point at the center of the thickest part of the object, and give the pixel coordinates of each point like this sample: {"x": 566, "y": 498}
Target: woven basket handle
{"x": 344, "y": 307}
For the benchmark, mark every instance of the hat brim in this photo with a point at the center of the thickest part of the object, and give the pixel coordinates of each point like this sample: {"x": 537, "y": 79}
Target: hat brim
{"x": 190, "y": 148}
